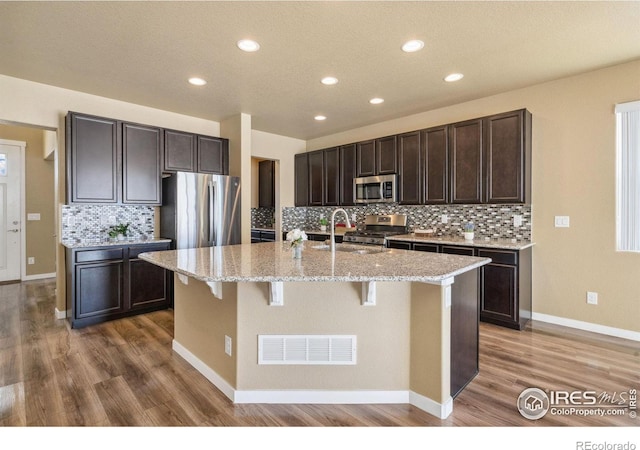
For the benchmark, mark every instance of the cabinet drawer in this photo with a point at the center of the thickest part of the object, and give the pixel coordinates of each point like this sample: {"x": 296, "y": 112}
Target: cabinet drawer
{"x": 255, "y": 234}
{"x": 468, "y": 251}
{"x": 433, "y": 248}
{"x": 500, "y": 257}
{"x": 135, "y": 251}
{"x": 84, "y": 256}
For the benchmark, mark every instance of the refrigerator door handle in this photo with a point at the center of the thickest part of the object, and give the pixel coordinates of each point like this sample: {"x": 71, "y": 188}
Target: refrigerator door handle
{"x": 211, "y": 202}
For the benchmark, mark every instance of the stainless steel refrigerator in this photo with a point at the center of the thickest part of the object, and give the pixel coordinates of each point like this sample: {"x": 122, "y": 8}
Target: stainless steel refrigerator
{"x": 200, "y": 210}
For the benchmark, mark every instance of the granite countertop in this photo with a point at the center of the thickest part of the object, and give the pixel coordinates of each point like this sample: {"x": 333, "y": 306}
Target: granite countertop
{"x": 339, "y": 231}
{"x": 507, "y": 244}
{"x": 272, "y": 262}
{"x": 262, "y": 229}
{"x": 109, "y": 242}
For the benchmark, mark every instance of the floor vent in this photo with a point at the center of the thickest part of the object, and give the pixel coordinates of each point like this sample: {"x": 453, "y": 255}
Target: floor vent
{"x": 307, "y": 349}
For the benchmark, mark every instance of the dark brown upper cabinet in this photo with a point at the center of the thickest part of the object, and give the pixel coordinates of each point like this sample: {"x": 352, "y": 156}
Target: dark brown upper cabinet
{"x": 93, "y": 159}
{"x": 332, "y": 176}
{"x": 301, "y": 179}
{"x": 377, "y": 157}
{"x": 386, "y": 156}
{"x": 508, "y": 157}
{"x": 347, "y": 173}
{"x": 266, "y": 184}
{"x": 435, "y": 150}
{"x": 141, "y": 164}
{"x": 188, "y": 152}
{"x": 410, "y": 173}
{"x": 316, "y": 178}
{"x": 213, "y": 155}
{"x": 465, "y": 153}
{"x": 366, "y": 158}
{"x": 109, "y": 161}
{"x": 179, "y": 151}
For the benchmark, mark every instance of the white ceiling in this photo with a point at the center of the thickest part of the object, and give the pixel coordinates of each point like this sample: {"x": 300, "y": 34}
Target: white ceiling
{"x": 143, "y": 52}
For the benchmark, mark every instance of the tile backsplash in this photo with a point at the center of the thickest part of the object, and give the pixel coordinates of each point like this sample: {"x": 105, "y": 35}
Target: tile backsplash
{"x": 262, "y": 217}
{"x": 491, "y": 221}
{"x": 91, "y": 223}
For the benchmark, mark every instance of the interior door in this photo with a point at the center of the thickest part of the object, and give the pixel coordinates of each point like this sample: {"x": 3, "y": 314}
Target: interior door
{"x": 10, "y": 220}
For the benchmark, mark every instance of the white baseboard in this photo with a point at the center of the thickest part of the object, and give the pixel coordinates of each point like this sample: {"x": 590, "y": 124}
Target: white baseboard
{"x": 587, "y": 326}
{"x": 38, "y": 276}
{"x": 62, "y": 314}
{"x": 439, "y": 410}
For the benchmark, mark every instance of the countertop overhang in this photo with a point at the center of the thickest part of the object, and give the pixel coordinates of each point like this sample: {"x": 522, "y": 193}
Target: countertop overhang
{"x": 273, "y": 262}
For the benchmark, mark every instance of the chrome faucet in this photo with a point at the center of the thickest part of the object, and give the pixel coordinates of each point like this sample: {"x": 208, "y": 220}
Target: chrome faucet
{"x": 333, "y": 227}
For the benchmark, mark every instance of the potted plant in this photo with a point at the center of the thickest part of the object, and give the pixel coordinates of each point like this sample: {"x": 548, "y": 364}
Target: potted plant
{"x": 323, "y": 223}
{"x": 119, "y": 231}
{"x": 468, "y": 231}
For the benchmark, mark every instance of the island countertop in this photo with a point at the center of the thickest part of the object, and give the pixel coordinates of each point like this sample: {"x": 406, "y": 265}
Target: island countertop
{"x": 273, "y": 262}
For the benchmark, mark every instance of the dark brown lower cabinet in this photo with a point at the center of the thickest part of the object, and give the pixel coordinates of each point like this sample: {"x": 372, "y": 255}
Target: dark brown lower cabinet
{"x": 505, "y": 288}
{"x": 505, "y": 283}
{"x": 106, "y": 283}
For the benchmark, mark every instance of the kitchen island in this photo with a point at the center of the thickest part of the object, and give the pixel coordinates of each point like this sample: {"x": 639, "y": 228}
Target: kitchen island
{"x": 358, "y": 325}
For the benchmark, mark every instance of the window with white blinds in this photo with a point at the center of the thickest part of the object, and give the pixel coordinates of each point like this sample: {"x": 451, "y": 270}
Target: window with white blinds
{"x": 628, "y": 176}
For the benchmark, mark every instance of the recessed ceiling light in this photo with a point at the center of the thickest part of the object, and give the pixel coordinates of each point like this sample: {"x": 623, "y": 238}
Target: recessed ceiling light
{"x": 412, "y": 46}
{"x": 329, "y": 81}
{"x": 248, "y": 45}
{"x": 320, "y": 117}
{"x": 197, "y": 81}
{"x": 453, "y": 77}
{"x": 376, "y": 101}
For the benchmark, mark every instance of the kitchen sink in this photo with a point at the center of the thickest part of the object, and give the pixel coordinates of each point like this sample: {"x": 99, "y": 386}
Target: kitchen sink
{"x": 357, "y": 249}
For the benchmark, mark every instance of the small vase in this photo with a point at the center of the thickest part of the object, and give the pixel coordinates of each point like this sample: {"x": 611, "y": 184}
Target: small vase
{"x": 468, "y": 236}
{"x": 296, "y": 252}
{"x": 121, "y": 237}
{"x": 323, "y": 228}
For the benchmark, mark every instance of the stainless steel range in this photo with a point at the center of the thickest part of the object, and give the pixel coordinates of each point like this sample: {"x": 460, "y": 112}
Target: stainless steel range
{"x": 377, "y": 228}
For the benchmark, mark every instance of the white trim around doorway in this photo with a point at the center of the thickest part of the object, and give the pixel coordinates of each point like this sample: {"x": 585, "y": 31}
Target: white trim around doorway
{"x": 23, "y": 193}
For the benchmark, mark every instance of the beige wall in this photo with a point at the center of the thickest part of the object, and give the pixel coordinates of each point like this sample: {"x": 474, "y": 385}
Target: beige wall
{"x": 39, "y": 198}
{"x": 574, "y": 175}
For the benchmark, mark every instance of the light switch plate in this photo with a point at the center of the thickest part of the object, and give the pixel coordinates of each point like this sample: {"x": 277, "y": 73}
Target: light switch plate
{"x": 592, "y": 298}
{"x": 562, "y": 221}
{"x": 33, "y": 216}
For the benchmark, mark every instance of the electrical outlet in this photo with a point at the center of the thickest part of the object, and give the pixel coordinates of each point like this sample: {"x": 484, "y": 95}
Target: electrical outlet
{"x": 592, "y": 298}
{"x": 227, "y": 345}
{"x": 444, "y": 218}
{"x": 31, "y": 260}
{"x": 517, "y": 220}
{"x": 562, "y": 221}
{"x": 112, "y": 220}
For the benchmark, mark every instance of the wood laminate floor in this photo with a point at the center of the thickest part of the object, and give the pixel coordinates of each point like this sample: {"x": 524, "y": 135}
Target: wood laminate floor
{"x": 124, "y": 373}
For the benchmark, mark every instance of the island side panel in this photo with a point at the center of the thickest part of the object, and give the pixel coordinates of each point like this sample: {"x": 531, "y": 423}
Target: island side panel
{"x": 327, "y": 308}
{"x": 201, "y": 322}
{"x": 430, "y": 342}
{"x": 465, "y": 318}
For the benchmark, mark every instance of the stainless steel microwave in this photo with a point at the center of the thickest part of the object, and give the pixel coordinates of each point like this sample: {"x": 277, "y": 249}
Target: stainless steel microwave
{"x": 380, "y": 189}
